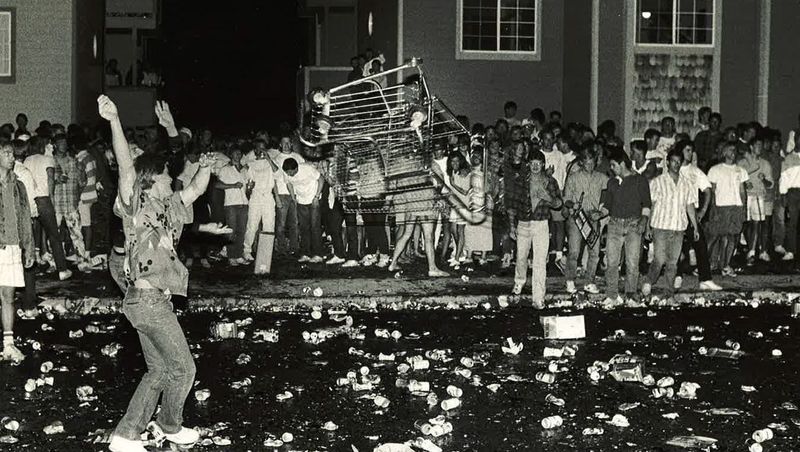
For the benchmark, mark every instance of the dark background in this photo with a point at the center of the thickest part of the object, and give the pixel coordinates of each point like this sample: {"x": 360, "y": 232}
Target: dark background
{"x": 231, "y": 66}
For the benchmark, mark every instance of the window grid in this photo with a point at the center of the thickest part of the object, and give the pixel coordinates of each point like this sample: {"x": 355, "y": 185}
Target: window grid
{"x": 675, "y": 22}
{"x": 499, "y": 26}
{"x": 5, "y": 44}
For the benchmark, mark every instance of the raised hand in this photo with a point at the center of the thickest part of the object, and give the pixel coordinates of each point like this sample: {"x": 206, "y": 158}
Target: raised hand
{"x": 164, "y": 115}
{"x": 107, "y": 108}
{"x": 208, "y": 159}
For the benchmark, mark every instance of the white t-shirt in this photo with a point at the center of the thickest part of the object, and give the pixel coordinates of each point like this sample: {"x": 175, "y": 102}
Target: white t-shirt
{"x": 728, "y": 179}
{"x": 260, "y": 172}
{"x": 280, "y": 178}
{"x": 305, "y": 183}
{"x": 38, "y": 164}
{"x": 558, "y": 160}
{"x": 188, "y": 173}
{"x": 657, "y": 154}
{"x": 24, "y": 175}
{"x": 233, "y": 196}
{"x": 698, "y": 179}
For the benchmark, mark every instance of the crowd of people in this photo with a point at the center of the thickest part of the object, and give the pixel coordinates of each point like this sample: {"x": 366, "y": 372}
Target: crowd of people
{"x": 698, "y": 195}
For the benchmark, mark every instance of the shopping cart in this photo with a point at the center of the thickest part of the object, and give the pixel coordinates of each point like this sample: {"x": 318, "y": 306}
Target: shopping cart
{"x": 379, "y": 140}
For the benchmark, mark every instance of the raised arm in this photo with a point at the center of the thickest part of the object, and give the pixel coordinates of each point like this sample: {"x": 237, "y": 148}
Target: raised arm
{"x": 127, "y": 172}
{"x": 199, "y": 182}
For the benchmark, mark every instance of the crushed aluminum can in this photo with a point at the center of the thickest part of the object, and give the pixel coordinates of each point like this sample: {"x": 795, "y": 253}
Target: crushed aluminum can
{"x": 419, "y": 386}
{"x": 76, "y": 334}
{"x": 777, "y": 353}
{"x": 593, "y": 431}
{"x": 624, "y": 367}
{"x": 224, "y": 330}
{"x": 243, "y": 359}
{"x": 663, "y": 392}
{"x": 550, "y": 398}
{"x": 267, "y": 335}
{"x": 432, "y": 399}
{"x": 54, "y": 428}
{"x": 765, "y": 434}
{"x": 317, "y": 292}
{"x": 733, "y": 345}
{"x": 552, "y": 422}
{"x": 30, "y": 385}
{"x": 111, "y": 349}
{"x": 9, "y": 424}
{"x": 665, "y": 382}
{"x": 552, "y": 352}
{"x": 287, "y": 437}
{"x": 202, "y": 394}
{"x": 46, "y": 367}
{"x": 85, "y": 393}
{"x": 381, "y": 401}
{"x": 454, "y": 391}
{"x": 330, "y": 426}
{"x": 450, "y": 404}
{"x": 467, "y": 362}
{"x": 545, "y": 377}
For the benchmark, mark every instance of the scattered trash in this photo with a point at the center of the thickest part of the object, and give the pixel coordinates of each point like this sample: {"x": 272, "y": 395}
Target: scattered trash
{"x": 692, "y": 442}
{"x": 552, "y": 422}
{"x": 54, "y": 428}
{"x": 512, "y": 348}
{"x": 9, "y": 424}
{"x": 111, "y": 349}
{"x": 619, "y": 421}
{"x": 714, "y": 352}
{"x": 85, "y": 393}
{"x": 224, "y": 330}
{"x": 563, "y": 327}
{"x": 202, "y": 395}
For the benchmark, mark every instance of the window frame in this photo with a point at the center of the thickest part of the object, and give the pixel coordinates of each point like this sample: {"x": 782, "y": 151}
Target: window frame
{"x": 12, "y": 76}
{"x": 499, "y": 55}
{"x": 675, "y": 20}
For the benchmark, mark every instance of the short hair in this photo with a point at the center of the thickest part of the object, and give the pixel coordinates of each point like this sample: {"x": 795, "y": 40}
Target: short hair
{"x": 536, "y": 154}
{"x": 500, "y": 121}
{"x": 22, "y": 115}
{"x": 510, "y": 104}
{"x": 703, "y": 109}
{"x": 650, "y": 133}
{"x": 680, "y": 145}
{"x": 675, "y": 152}
{"x": 289, "y": 164}
{"x": 586, "y": 152}
{"x": 21, "y": 147}
{"x": 607, "y": 127}
{"x": 556, "y": 113}
{"x": 716, "y": 115}
{"x": 639, "y": 145}
{"x": 667, "y": 118}
{"x": 38, "y": 144}
{"x": 758, "y": 138}
{"x": 537, "y": 114}
{"x": 148, "y": 166}
{"x": 78, "y": 141}
{"x": 617, "y": 154}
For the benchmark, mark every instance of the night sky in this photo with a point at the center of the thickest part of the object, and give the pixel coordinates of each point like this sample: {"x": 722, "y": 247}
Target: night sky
{"x": 231, "y": 66}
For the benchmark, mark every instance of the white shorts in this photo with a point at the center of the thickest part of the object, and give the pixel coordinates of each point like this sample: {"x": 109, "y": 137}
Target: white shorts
{"x": 85, "y": 211}
{"x": 11, "y": 269}
{"x": 756, "y": 208}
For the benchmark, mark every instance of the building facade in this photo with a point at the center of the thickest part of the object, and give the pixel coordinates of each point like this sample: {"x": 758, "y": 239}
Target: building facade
{"x": 631, "y": 61}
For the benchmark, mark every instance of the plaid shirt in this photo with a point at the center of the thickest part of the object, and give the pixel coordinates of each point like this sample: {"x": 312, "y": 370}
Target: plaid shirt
{"x": 518, "y": 197}
{"x": 67, "y": 193}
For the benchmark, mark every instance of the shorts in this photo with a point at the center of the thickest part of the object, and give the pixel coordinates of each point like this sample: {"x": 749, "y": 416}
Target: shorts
{"x": 725, "y": 220}
{"x": 756, "y": 208}
{"x": 85, "y": 212}
{"x": 11, "y": 268}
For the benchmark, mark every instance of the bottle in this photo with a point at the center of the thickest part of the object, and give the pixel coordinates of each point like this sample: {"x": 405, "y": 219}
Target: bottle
{"x": 552, "y": 422}
{"x": 714, "y": 352}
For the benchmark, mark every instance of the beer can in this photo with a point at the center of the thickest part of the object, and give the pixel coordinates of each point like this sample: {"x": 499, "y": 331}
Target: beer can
{"x": 552, "y": 422}
{"x": 732, "y": 344}
{"x": 545, "y": 377}
{"x": 224, "y": 330}
{"x": 765, "y": 434}
{"x": 454, "y": 391}
{"x": 450, "y": 404}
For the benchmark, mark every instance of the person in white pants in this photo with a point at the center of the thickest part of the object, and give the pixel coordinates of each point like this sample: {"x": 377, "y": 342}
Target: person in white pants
{"x": 532, "y": 230}
{"x": 263, "y": 198}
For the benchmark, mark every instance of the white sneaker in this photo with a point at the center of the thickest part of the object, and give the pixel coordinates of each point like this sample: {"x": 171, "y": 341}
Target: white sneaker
{"x": 120, "y": 444}
{"x": 383, "y": 261}
{"x": 303, "y": 258}
{"x": 764, "y": 256}
{"x": 72, "y": 258}
{"x": 315, "y": 260}
{"x": 677, "y": 283}
{"x": 710, "y": 286}
{"x": 591, "y": 288}
{"x": 65, "y": 275}
{"x": 742, "y": 239}
{"x": 184, "y": 437}
{"x": 789, "y": 256}
{"x": 350, "y": 263}
{"x": 611, "y": 303}
{"x": 517, "y": 288}
{"x": 646, "y": 289}
{"x": 12, "y": 353}
{"x": 248, "y": 256}
{"x": 334, "y": 260}
{"x": 780, "y": 249}
{"x": 571, "y": 287}
{"x": 368, "y": 260}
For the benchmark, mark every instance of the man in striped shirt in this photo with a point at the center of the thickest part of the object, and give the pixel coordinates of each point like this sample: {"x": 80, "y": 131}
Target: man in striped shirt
{"x": 87, "y": 173}
{"x": 673, "y": 201}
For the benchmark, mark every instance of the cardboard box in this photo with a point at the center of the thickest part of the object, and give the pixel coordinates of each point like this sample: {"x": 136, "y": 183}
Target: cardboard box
{"x": 563, "y": 327}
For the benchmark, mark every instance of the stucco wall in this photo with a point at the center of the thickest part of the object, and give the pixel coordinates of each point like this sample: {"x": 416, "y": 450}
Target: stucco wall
{"x": 480, "y": 88}
{"x": 784, "y": 70}
{"x": 611, "y": 72}
{"x": 577, "y": 60}
{"x": 43, "y": 88}
{"x": 739, "y": 70}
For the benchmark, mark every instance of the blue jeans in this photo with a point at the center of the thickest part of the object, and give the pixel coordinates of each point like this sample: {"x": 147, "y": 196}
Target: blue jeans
{"x": 170, "y": 366}
{"x": 666, "y": 252}
{"x": 310, "y": 222}
{"x": 627, "y": 232}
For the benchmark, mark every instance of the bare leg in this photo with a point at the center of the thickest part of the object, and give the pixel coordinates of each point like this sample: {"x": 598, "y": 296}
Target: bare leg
{"x": 460, "y": 240}
{"x": 446, "y": 232}
{"x": 427, "y": 233}
{"x": 399, "y": 247}
{"x": 730, "y": 247}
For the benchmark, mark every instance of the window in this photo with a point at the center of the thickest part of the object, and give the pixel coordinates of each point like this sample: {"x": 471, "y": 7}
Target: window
{"x": 7, "y": 41}
{"x": 498, "y": 29}
{"x": 675, "y": 22}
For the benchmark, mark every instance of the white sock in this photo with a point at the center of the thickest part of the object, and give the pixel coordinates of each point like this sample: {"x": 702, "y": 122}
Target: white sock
{"x": 8, "y": 338}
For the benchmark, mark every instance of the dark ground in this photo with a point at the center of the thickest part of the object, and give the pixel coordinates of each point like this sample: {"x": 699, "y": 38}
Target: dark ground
{"x": 502, "y": 421}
